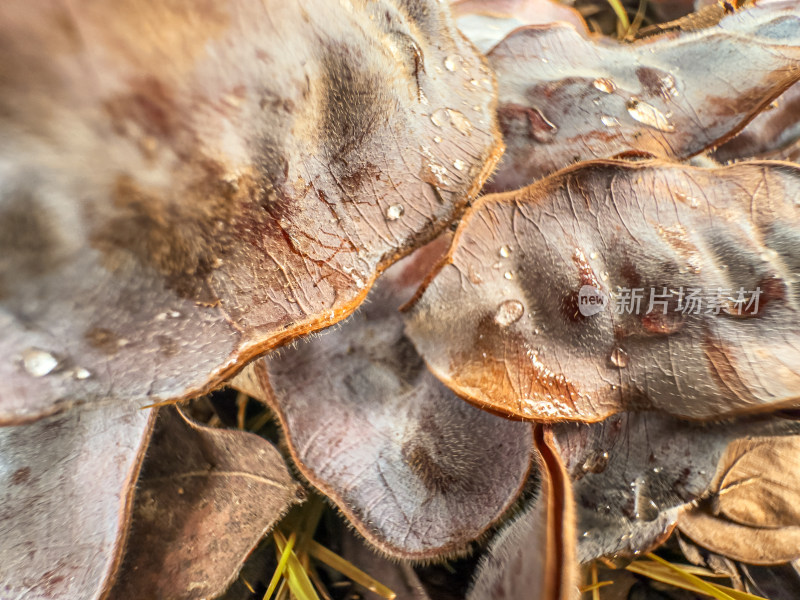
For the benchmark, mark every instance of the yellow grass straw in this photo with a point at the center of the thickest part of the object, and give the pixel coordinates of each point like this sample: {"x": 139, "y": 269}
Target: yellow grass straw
{"x": 299, "y": 583}
{"x": 276, "y": 576}
{"x": 348, "y": 569}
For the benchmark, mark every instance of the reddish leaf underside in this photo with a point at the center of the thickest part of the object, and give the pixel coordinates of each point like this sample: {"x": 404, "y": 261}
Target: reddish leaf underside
{"x": 186, "y": 185}
{"x": 524, "y": 343}
{"x": 418, "y": 471}
{"x": 66, "y": 485}
{"x": 205, "y": 498}
{"x": 565, "y": 98}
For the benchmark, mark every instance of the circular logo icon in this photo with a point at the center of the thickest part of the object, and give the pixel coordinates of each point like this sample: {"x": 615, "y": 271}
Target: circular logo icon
{"x": 591, "y": 300}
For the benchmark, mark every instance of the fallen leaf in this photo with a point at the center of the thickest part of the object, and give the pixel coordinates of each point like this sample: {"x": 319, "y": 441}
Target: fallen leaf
{"x": 632, "y": 473}
{"x": 66, "y": 485}
{"x": 186, "y": 185}
{"x": 487, "y": 22}
{"x": 565, "y": 98}
{"x": 533, "y": 557}
{"x": 418, "y": 472}
{"x": 751, "y": 514}
{"x": 205, "y": 498}
{"x": 702, "y": 244}
{"x": 773, "y": 134}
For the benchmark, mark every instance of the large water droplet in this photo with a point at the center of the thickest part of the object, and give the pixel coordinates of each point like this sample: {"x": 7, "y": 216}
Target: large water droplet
{"x": 505, "y": 251}
{"x": 509, "y": 312}
{"x": 649, "y": 115}
{"x": 38, "y": 362}
{"x": 459, "y": 121}
{"x": 609, "y": 121}
{"x": 604, "y": 85}
{"x": 619, "y": 358}
{"x": 508, "y": 275}
{"x": 394, "y": 212}
{"x": 439, "y": 117}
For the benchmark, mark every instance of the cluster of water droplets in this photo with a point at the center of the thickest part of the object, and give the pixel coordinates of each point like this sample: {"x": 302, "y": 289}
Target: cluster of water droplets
{"x": 638, "y": 109}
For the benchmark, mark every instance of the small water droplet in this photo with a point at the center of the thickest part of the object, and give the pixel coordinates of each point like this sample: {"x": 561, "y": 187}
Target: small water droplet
{"x": 604, "y": 85}
{"x": 619, "y": 358}
{"x": 505, "y": 251}
{"x": 459, "y": 164}
{"x": 174, "y": 314}
{"x": 596, "y": 463}
{"x": 38, "y": 362}
{"x": 437, "y": 139}
{"x": 686, "y": 199}
{"x": 649, "y": 115}
{"x": 394, "y": 212}
{"x": 81, "y": 373}
{"x": 474, "y": 276}
{"x": 604, "y": 275}
{"x": 450, "y": 62}
{"x": 609, "y": 121}
{"x": 508, "y": 275}
{"x": 593, "y": 255}
{"x": 656, "y": 469}
{"x": 509, "y": 312}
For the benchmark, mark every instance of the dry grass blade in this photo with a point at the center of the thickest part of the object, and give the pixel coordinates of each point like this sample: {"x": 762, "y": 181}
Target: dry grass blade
{"x": 595, "y": 588}
{"x": 276, "y": 577}
{"x": 661, "y": 570}
{"x": 619, "y": 10}
{"x": 297, "y": 578}
{"x": 345, "y": 567}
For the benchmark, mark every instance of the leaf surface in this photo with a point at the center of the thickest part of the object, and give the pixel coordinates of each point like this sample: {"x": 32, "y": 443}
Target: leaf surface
{"x": 417, "y": 471}
{"x": 633, "y": 473}
{"x": 66, "y": 487}
{"x": 564, "y": 98}
{"x": 526, "y": 342}
{"x": 184, "y": 186}
{"x": 487, "y": 22}
{"x": 533, "y": 557}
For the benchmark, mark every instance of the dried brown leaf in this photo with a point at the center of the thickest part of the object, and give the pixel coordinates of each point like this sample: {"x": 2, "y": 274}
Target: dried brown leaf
{"x": 66, "y": 485}
{"x": 418, "y": 472}
{"x": 752, "y": 514}
{"x": 525, "y": 343}
{"x": 205, "y": 498}
{"x": 565, "y": 98}
{"x": 187, "y": 185}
